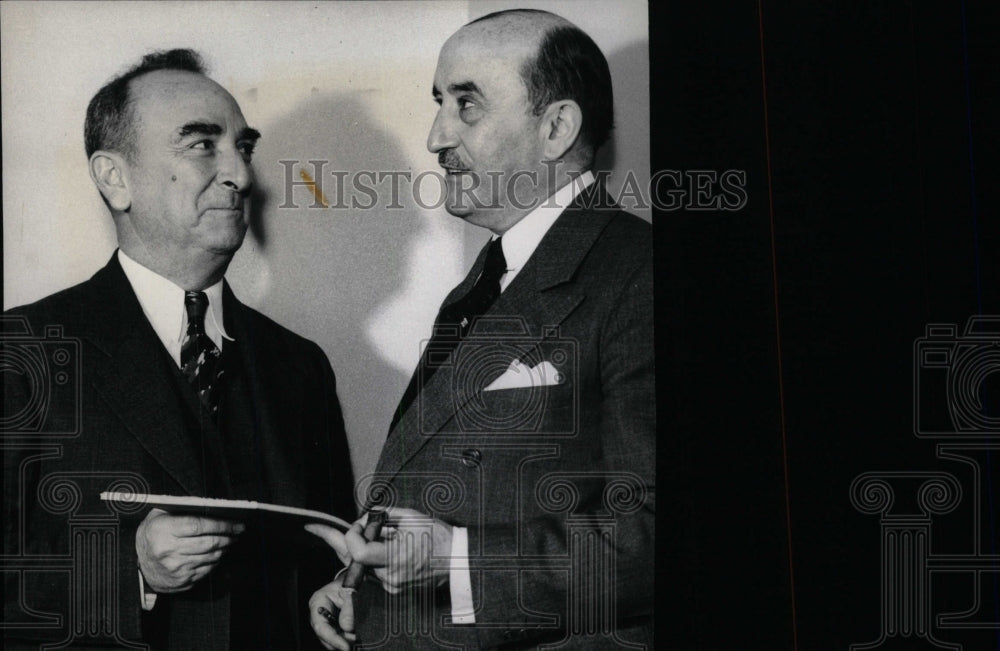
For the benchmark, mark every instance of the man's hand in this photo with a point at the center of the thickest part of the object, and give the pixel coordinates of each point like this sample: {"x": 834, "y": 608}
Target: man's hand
{"x": 175, "y": 551}
{"x": 404, "y": 559}
{"x": 329, "y": 599}
{"x": 334, "y": 538}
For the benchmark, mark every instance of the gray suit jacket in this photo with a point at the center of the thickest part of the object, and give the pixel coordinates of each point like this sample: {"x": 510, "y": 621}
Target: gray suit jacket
{"x": 555, "y": 479}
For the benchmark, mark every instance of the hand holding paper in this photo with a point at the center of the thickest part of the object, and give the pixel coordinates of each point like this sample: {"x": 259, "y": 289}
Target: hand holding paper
{"x": 175, "y": 551}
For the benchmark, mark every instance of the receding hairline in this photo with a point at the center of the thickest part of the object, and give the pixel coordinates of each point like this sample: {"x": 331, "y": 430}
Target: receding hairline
{"x": 158, "y": 83}
{"x": 519, "y": 22}
{"x": 161, "y": 80}
{"x": 550, "y": 68}
{"x": 525, "y": 27}
{"x": 511, "y": 36}
{"x": 109, "y": 123}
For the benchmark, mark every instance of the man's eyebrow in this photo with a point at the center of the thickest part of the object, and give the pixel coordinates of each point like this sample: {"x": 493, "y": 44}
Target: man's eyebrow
{"x": 248, "y": 133}
{"x": 464, "y": 87}
{"x": 199, "y": 128}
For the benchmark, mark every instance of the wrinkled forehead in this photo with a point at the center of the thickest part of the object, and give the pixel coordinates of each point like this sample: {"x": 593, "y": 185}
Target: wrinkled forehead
{"x": 483, "y": 40}
{"x": 474, "y": 53}
{"x": 167, "y": 99}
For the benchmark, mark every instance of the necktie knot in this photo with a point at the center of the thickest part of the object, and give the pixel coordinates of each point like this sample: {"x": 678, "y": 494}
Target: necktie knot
{"x": 495, "y": 265}
{"x": 196, "y": 305}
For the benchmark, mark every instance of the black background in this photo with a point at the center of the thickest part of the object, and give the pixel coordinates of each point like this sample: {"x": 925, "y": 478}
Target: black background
{"x": 786, "y": 349}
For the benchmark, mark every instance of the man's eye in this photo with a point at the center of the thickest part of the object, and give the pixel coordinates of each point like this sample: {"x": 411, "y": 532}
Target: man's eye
{"x": 246, "y": 148}
{"x": 465, "y": 103}
{"x": 203, "y": 144}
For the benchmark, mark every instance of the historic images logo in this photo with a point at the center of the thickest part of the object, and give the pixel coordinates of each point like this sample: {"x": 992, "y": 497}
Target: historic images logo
{"x": 666, "y": 190}
{"x": 955, "y": 400}
{"x": 41, "y": 380}
{"x": 41, "y": 415}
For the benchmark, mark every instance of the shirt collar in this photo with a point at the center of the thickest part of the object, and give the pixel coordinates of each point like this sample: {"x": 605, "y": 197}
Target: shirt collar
{"x": 163, "y": 303}
{"x": 521, "y": 239}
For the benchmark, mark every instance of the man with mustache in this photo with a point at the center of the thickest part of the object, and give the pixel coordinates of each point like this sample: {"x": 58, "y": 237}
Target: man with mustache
{"x": 183, "y": 390}
{"x": 518, "y": 472}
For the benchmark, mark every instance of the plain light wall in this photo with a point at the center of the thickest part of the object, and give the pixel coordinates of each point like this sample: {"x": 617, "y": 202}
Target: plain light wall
{"x": 346, "y": 83}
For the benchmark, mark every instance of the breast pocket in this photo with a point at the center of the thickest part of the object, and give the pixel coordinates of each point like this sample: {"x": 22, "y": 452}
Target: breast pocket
{"x": 530, "y": 411}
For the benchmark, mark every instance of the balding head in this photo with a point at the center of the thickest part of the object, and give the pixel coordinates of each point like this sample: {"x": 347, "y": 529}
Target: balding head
{"x": 110, "y": 123}
{"x": 525, "y": 25}
{"x": 525, "y": 101}
{"x": 560, "y": 62}
{"x": 173, "y": 164}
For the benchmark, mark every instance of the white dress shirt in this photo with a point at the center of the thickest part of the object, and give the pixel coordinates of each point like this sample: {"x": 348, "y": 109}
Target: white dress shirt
{"x": 519, "y": 243}
{"x": 163, "y": 304}
{"x": 521, "y": 239}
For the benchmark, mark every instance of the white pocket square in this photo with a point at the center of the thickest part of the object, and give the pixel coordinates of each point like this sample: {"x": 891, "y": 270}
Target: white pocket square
{"x": 519, "y": 376}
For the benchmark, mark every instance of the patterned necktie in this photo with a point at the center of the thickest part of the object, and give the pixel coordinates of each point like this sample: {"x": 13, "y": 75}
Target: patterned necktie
{"x": 199, "y": 354}
{"x": 455, "y": 320}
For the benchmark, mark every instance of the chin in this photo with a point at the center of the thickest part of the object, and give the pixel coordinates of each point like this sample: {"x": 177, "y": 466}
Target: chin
{"x": 458, "y": 210}
{"x": 228, "y": 242}
{"x": 470, "y": 216}
{"x": 492, "y": 222}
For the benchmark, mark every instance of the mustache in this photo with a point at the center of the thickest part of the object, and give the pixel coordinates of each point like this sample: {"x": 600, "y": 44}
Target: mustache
{"x": 448, "y": 158}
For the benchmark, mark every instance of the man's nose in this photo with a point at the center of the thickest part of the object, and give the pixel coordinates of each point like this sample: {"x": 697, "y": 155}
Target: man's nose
{"x": 235, "y": 171}
{"x": 442, "y": 136}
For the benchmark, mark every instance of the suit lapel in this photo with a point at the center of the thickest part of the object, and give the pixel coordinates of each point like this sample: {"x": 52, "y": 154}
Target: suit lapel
{"x": 465, "y": 286}
{"x": 129, "y": 377}
{"x": 543, "y": 294}
{"x": 262, "y": 366}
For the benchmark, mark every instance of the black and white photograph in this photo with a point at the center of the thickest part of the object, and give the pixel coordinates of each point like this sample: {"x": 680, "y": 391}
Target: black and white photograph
{"x": 328, "y": 286}
{"x": 500, "y": 324}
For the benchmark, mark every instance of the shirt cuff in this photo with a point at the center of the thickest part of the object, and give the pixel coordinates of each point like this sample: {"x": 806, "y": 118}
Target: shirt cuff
{"x": 459, "y": 578}
{"x": 148, "y": 598}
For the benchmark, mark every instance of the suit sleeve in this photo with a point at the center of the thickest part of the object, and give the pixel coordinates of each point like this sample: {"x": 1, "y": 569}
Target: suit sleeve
{"x": 330, "y": 480}
{"x": 626, "y": 482}
{"x": 31, "y": 532}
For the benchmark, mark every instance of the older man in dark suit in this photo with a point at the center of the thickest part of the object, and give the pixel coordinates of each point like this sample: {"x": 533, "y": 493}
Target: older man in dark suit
{"x": 519, "y": 469}
{"x": 182, "y": 390}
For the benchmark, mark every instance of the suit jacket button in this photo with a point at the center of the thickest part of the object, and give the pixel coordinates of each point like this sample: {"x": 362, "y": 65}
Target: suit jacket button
{"x": 471, "y": 457}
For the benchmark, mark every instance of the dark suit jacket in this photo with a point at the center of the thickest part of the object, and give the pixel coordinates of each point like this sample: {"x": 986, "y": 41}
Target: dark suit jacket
{"x": 554, "y": 483}
{"x": 126, "y": 428}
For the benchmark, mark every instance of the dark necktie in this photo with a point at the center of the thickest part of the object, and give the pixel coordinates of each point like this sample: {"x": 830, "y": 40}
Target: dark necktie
{"x": 199, "y": 354}
{"x": 454, "y": 322}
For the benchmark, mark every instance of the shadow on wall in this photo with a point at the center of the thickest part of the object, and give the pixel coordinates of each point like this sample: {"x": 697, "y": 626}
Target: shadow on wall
{"x": 628, "y": 148}
{"x": 323, "y": 272}
{"x": 326, "y": 272}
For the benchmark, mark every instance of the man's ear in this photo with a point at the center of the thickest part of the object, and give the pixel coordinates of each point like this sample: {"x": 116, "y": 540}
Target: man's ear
{"x": 107, "y": 169}
{"x": 560, "y": 128}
